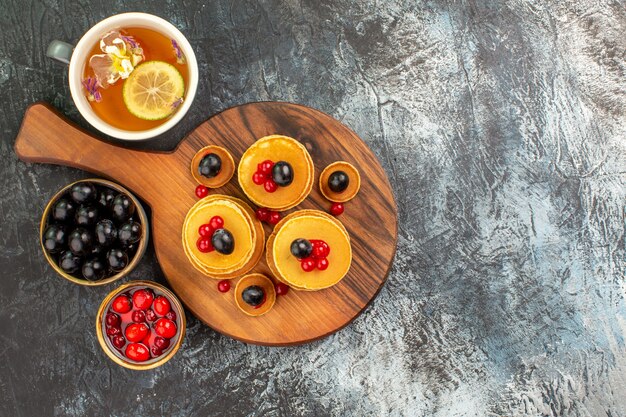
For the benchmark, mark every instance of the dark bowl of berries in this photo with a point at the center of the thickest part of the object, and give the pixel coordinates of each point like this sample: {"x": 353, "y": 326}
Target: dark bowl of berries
{"x": 93, "y": 232}
{"x": 140, "y": 325}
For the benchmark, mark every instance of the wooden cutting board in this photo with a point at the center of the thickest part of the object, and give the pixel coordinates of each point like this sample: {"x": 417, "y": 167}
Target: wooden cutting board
{"x": 164, "y": 182}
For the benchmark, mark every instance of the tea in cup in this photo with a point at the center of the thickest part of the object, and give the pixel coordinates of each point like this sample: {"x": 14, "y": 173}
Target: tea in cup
{"x": 132, "y": 76}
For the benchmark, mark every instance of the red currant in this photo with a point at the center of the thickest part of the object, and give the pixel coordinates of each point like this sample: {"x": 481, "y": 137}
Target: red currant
{"x": 270, "y": 186}
{"x": 274, "y": 217}
{"x": 320, "y": 249}
{"x": 322, "y": 264}
{"x": 165, "y": 328}
{"x": 121, "y": 304}
{"x": 258, "y": 178}
{"x": 282, "y": 289}
{"x": 201, "y": 191}
{"x": 266, "y": 167}
{"x": 205, "y": 230}
{"x": 136, "y": 332}
{"x": 137, "y": 352}
{"x": 223, "y": 286}
{"x": 308, "y": 264}
{"x": 118, "y": 341}
{"x": 142, "y": 299}
{"x": 162, "y": 305}
{"x": 216, "y": 222}
{"x": 336, "y": 209}
{"x": 138, "y": 316}
{"x": 262, "y": 214}
{"x": 204, "y": 244}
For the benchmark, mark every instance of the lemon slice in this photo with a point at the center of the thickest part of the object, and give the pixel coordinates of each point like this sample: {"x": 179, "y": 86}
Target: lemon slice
{"x": 153, "y": 89}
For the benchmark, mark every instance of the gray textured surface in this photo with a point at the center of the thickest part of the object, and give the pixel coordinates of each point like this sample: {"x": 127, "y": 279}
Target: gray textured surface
{"x": 501, "y": 125}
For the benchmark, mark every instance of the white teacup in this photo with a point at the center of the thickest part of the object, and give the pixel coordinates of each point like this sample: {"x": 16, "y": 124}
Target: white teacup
{"x": 77, "y": 57}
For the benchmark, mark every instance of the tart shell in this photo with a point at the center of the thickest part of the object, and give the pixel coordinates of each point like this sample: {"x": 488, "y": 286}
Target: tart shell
{"x": 353, "y": 186}
{"x": 263, "y": 282}
{"x": 226, "y": 171}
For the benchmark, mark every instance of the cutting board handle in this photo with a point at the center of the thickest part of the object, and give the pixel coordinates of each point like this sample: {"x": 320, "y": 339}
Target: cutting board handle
{"x": 47, "y": 137}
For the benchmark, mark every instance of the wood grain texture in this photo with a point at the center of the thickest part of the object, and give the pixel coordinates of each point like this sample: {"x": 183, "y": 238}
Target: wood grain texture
{"x": 163, "y": 181}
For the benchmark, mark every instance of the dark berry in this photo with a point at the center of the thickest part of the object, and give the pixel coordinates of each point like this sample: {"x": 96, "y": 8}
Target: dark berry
{"x": 69, "y": 262}
{"x": 105, "y": 197}
{"x": 122, "y": 207}
{"x": 80, "y": 241}
{"x": 114, "y": 330}
{"x": 282, "y": 173}
{"x": 156, "y": 352}
{"x": 63, "y": 210}
{"x": 97, "y": 249}
{"x": 338, "y": 181}
{"x": 151, "y": 315}
{"x": 223, "y": 241}
{"x": 106, "y": 232}
{"x": 86, "y": 215}
{"x": 129, "y": 233}
{"x": 117, "y": 259}
{"x": 138, "y": 316}
{"x": 54, "y": 238}
{"x": 171, "y": 315}
{"x": 253, "y": 295}
{"x": 201, "y": 191}
{"x": 223, "y": 286}
{"x": 94, "y": 269}
{"x": 282, "y": 289}
{"x": 301, "y": 248}
{"x": 336, "y": 209}
{"x": 118, "y": 341}
{"x": 112, "y": 319}
{"x": 210, "y": 165}
{"x": 161, "y": 342}
{"x": 84, "y": 192}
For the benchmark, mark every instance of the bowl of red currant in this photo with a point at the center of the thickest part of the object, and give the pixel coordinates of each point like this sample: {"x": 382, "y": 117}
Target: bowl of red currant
{"x": 140, "y": 325}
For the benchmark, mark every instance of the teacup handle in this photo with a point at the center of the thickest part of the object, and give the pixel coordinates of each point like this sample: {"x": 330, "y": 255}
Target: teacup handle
{"x": 60, "y": 51}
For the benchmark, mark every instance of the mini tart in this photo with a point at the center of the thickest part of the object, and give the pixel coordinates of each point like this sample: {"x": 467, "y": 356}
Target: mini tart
{"x": 261, "y": 281}
{"x": 309, "y": 224}
{"x": 277, "y": 148}
{"x": 226, "y": 171}
{"x": 353, "y": 186}
{"x": 255, "y": 257}
{"x": 240, "y": 221}
{"x": 269, "y": 258}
